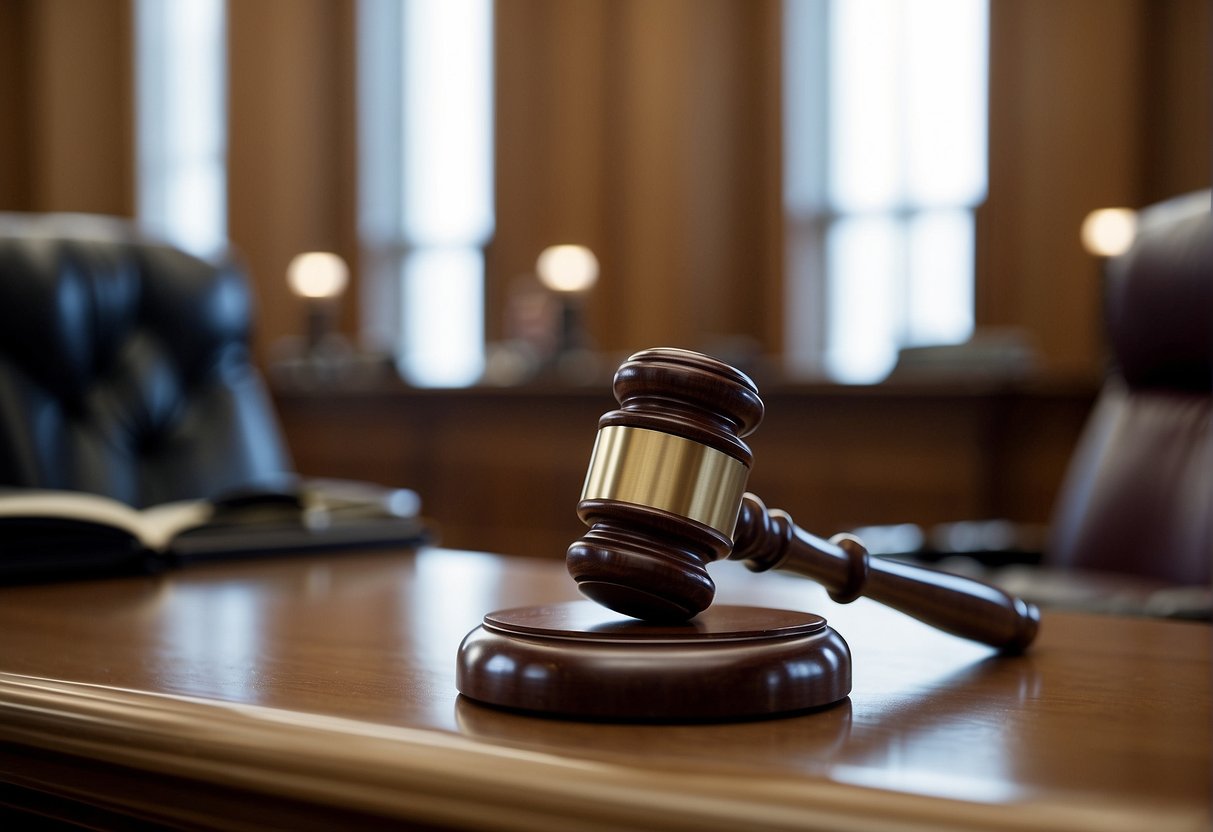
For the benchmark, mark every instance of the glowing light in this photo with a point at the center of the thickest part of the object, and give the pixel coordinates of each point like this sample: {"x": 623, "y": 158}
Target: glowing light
{"x": 181, "y": 109}
{"x": 317, "y": 274}
{"x": 1108, "y": 232}
{"x": 444, "y": 295}
{"x": 567, "y": 268}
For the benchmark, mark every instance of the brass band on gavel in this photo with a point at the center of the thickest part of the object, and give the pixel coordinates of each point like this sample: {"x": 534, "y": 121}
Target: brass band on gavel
{"x": 667, "y": 472}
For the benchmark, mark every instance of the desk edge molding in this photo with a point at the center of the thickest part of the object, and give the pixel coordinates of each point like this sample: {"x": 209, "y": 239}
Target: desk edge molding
{"x": 443, "y": 778}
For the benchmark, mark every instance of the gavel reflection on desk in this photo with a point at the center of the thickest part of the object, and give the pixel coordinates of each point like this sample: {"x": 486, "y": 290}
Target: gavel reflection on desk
{"x": 664, "y": 497}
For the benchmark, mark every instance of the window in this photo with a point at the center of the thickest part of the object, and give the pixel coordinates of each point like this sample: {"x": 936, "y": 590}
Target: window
{"x": 885, "y": 163}
{"x": 181, "y": 127}
{"x": 426, "y": 181}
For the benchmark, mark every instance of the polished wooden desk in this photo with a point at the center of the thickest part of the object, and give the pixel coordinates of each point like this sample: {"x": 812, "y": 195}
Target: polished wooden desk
{"x": 319, "y": 692}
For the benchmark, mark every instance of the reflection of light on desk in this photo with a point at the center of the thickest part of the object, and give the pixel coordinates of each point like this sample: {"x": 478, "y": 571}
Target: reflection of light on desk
{"x": 218, "y": 630}
{"x": 946, "y": 784}
{"x": 911, "y": 711}
{"x": 460, "y": 588}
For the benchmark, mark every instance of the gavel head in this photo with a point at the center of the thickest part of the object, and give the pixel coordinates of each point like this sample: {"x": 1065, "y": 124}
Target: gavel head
{"x": 665, "y": 483}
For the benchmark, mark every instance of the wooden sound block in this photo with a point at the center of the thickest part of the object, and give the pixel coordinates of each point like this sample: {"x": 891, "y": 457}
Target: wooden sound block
{"x": 579, "y": 660}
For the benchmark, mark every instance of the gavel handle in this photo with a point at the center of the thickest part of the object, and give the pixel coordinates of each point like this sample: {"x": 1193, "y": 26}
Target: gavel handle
{"x": 768, "y": 539}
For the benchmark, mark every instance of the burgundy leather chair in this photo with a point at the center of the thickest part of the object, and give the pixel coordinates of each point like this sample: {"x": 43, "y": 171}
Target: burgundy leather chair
{"x": 1138, "y": 496}
{"x": 124, "y": 366}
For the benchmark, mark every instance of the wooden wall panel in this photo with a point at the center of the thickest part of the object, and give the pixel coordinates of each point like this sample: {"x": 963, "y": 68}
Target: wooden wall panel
{"x": 1177, "y": 112}
{"x": 649, "y": 131}
{"x": 644, "y": 131}
{"x": 502, "y": 469}
{"x": 1085, "y": 101}
{"x": 289, "y": 188}
{"x": 551, "y": 125}
{"x": 16, "y": 103}
{"x": 78, "y": 112}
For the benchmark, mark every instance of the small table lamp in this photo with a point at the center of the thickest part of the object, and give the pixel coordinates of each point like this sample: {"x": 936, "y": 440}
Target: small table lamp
{"x": 1108, "y": 232}
{"x": 570, "y": 271}
{"x": 320, "y": 278}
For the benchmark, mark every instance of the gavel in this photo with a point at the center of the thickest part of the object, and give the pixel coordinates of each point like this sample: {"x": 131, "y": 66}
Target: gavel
{"x": 665, "y": 495}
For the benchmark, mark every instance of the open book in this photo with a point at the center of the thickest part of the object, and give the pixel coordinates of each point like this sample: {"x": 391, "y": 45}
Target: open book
{"x": 46, "y": 532}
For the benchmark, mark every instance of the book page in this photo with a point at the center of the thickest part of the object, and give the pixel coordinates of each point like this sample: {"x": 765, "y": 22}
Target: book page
{"x": 153, "y": 527}
{"x": 160, "y": 524}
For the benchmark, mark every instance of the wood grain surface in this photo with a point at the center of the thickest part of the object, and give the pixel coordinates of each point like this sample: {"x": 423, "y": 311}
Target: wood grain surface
{"x": 501, "y": 469}
{"x": 320, "y": 690}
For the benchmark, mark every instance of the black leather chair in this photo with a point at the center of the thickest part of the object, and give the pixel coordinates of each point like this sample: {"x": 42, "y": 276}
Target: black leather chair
{"x": 125, "y": 368}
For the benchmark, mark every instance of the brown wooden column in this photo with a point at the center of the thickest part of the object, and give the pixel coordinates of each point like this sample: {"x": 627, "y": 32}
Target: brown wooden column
{"x": 67, "y": 107}
{"x": 1087, "y": 99}
{"x": 291, "y": 146}
{"x": 649, "y": 132}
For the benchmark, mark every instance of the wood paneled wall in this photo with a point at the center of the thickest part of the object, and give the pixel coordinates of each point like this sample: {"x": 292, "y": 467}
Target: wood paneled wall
{"x": 502, "y": 470}
{"x": 1034, "y": 270}
{"x": 1093, "y": 104}
{"x": 291, "y": 153}
{"x": 67, "y": 106}
{"x": 649, "y": 131}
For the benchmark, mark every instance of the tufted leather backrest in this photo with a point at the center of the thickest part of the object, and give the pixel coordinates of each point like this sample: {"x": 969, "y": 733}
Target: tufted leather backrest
{"x": 124, "y": 366}
{"x": 1138, "y": 497}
